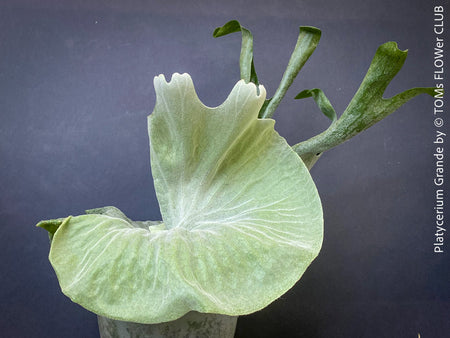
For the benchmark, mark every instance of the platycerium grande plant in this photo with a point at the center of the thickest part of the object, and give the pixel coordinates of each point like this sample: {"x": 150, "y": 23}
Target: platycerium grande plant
{"x": 242, "y": 218}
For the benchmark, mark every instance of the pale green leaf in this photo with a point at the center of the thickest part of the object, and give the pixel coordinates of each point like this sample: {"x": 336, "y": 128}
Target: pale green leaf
{"x": 242, "y": 219}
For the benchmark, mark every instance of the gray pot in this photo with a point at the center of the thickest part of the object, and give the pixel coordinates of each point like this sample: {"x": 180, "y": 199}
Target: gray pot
{"x": 193, "y": 324}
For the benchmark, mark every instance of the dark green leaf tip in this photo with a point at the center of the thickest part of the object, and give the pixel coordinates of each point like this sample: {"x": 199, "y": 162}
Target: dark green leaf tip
{"x": 232, "y": 26}
{"x": 390, "y": 49}
{"x": 393, "y": 46}
{"x": 52, "y": 225}
{"x": 303, "y": 94}
{"x": 311, "y": 29}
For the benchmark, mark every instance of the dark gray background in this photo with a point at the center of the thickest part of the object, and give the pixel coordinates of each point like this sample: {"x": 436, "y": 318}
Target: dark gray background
{"x": 75, "y": 90}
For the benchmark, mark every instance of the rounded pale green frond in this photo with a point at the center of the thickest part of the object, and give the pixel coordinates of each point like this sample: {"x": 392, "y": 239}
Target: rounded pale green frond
{"x": 242, "y": 218}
